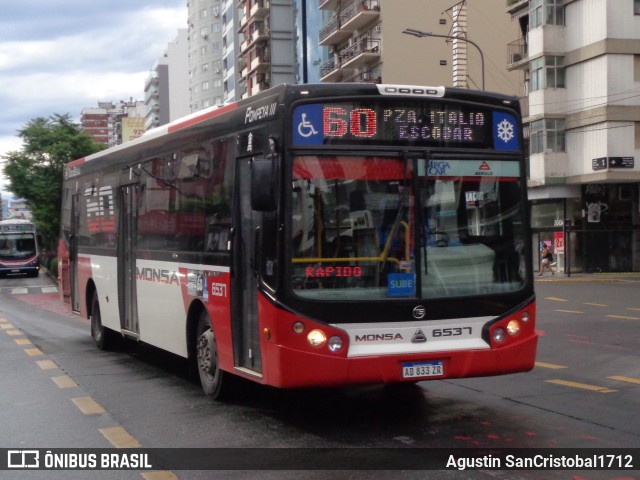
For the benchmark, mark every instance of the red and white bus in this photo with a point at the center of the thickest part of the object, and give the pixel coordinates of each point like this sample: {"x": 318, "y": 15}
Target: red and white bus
{"x": 18, "y": 248}
{"x": 313, "y": 235}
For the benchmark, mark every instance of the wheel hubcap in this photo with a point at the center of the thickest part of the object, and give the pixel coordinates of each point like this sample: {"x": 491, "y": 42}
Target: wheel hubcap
{"x": 206, "y": 360}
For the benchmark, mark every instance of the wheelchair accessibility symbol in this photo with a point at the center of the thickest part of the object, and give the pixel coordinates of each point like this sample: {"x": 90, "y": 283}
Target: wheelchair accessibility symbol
{"x": 305, "y": 127}
{"x": 307, "y": 120}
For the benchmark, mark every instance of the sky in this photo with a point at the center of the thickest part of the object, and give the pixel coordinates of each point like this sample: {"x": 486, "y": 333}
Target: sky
{"x": 63, "y": 55}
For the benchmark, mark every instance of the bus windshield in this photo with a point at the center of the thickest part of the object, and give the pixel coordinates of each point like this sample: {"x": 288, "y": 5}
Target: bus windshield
{"x": 17, "y": 246}
{"x": 379, "y": 227}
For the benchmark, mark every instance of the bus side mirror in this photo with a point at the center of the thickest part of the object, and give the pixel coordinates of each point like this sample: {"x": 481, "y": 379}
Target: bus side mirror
{"x": 263, "y": 193}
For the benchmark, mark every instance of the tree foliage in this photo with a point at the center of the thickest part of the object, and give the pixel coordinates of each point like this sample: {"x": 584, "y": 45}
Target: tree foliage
{"x": 35, "y": 172}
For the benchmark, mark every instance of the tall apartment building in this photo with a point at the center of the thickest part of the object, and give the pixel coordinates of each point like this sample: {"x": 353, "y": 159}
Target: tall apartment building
{"x": 166, "y": 89}
{"x": 206, "y": 24}
{"x": 580, "y": 61}
{"x": 95, "y": 121}
{"x": 267, "y": 54}
{"x": 111, "y": 124}
{"x": 238, "y": 48}
{"x": 366, "y": 42}
{"x": 230, "y": 41}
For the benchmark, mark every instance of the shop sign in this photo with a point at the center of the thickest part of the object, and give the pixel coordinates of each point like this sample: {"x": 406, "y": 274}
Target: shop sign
{"x": 558, "y": 242}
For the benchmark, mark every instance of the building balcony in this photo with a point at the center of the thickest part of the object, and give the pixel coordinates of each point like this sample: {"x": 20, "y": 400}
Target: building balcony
{"x": 330, "y": 71}
{"x": 244, "y": 46}
{"x": 260, "y": 9}
{"x": 365, "y": 76}
{"x": 332, "y": 34}
{"x": 243, "y": 90}
{"x": 352, "y": 18}
{"x": 359, "y": 14}
{"x": 260, "y": 34}
{"x": 518, "y": 55}
{"x": 328, "y": 4}
{"x": 260, "y": 63}
{"x": 364, "y": 51}
{"x": 517, "y": 7}
{"x": 243, "y": 23}
{"x": 259, "y": 83}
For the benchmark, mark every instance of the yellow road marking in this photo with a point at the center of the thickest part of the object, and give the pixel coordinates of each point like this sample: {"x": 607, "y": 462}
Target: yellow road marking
{"x": 569, "y": 311}
{"x": 549, "y": 365}
{"x": 164, "y": 475}
{"x": 596, "y": 304}
{"x": 6, "y": 326}
{"x": 119, "y": 437}
{"x": 625, "y": 379}
{"x": 636, "y": 309}
{"x": 14, "y": 333}
{"x": 556, "y": 299}
{"x": 47, "y": 364}
{"x": 623, "y": 317}
{"x": 23, "y": 341}
{"x": 33, "y": 352}
{"x": 583, "y": 386}
{"x": 3, "y": 320}
{"x": 64, "y": 381}
{"x": 88, "y": 405}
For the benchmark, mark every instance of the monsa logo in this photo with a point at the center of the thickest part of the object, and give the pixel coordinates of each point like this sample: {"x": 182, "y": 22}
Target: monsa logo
{"x": 379, "y": 337}
{"x": 157, "y": 275}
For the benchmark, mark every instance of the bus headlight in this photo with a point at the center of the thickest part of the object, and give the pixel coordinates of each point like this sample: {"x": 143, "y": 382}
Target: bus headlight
{"x": 525, "y": 317}
{"x": 298, "y": 327}
{"x": 335, "y": 343}
{"x": 513, "y": 327}
{"x": 499, "y": 335}
{"x": 316, "y": 338}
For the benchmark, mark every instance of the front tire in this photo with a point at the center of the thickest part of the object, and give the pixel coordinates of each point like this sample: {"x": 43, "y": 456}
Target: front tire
{"x": 215, "y": 381}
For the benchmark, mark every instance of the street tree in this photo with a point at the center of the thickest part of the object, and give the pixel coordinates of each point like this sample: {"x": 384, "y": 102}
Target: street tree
{"x": 35, "y": 171}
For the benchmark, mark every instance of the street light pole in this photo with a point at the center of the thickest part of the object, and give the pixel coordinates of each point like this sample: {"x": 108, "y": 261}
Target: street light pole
{"x": 421, "y": 34}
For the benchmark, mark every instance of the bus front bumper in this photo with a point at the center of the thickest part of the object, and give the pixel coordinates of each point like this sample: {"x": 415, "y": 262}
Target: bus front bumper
{"x": 289, "y": 368}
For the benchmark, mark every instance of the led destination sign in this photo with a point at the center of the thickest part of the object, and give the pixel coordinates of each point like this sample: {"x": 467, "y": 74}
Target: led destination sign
{"x": 386, "y": 123}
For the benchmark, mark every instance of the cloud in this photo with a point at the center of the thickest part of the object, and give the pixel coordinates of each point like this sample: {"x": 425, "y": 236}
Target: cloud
{"x": 62, "y": 56}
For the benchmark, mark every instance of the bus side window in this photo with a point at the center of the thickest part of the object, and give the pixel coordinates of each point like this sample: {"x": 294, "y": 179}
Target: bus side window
{"x": 195, "y": 164}
{"x": 218, "y": 201}
{"x": 218, "y": 237}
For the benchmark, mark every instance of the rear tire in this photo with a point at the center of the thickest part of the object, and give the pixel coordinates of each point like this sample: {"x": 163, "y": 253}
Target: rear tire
{"x": 215, "y": 381}
{"x": 104, "y": 338}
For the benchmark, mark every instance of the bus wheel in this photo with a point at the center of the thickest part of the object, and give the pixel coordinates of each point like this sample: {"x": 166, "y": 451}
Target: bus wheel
{"x": 214, "y": 380}
{"x": 104, "y": 338}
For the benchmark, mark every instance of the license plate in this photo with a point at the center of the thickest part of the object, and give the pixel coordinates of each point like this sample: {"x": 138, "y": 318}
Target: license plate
{"x": 420, "y": 370}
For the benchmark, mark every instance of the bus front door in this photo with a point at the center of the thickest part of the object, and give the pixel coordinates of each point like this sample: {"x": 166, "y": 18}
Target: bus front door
{"x": 244, "y": 318}
{"x": 127, "y": 259}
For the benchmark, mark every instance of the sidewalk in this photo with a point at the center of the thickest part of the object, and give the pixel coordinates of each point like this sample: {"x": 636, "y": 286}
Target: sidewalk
{"x": 589, "y": 277}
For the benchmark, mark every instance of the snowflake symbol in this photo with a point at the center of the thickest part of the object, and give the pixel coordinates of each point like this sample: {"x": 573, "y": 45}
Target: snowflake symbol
{"x": 505, "y": 131}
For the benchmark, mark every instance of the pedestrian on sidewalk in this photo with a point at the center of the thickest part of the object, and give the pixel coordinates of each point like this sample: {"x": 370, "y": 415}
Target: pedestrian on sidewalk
{"x": 547, "y": 261}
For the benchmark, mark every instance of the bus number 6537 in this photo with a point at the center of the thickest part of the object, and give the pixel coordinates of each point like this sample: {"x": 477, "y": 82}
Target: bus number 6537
{"x": 451, "y": 332}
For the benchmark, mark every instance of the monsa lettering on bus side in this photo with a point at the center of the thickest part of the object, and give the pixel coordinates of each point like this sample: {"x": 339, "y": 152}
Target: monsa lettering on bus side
{"x": 157, "y": 275}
